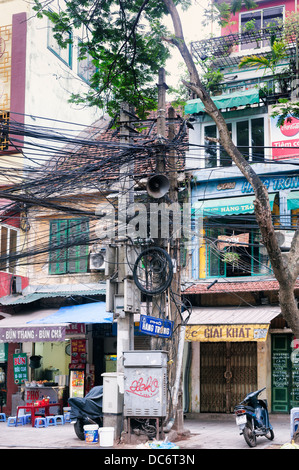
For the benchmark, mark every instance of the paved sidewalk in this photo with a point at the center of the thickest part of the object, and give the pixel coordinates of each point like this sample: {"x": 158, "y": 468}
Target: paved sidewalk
{"x": 207, "y": 432}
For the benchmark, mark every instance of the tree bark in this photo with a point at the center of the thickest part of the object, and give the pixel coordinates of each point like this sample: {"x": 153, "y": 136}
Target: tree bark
{"x": 285, "y": 267}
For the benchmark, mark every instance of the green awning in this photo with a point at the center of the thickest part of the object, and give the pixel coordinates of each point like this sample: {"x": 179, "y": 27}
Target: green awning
{"x": 239, "y": 98}
{"x": 293, "y": 200}
{"x": 228, "y": 206}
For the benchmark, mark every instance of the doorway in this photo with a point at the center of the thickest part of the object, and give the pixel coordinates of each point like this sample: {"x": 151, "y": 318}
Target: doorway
{"x": 228, "y": 372}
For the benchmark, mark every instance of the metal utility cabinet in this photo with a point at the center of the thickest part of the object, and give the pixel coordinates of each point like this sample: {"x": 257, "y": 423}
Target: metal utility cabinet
{"x": 145, "y": 385}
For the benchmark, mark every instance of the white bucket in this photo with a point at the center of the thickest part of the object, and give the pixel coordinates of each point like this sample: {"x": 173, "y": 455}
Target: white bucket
{"x": 106, "y": 437}
{"x": 91, "y": 433}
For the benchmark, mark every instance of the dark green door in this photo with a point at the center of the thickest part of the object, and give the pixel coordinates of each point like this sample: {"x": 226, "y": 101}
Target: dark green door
{"x": 285, "y": 373}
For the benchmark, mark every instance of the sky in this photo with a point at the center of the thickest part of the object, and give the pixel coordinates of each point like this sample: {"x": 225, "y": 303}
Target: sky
{"x": 193, "y": 31}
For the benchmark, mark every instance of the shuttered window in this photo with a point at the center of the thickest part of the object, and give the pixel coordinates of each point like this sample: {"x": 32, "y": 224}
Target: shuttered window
{"x": 69, "y": 246}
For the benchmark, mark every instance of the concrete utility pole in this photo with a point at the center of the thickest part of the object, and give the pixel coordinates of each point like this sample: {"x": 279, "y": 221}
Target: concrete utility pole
{"x": 121, "y": 292}
{"x": 159, "y": 301}
{"x": 175, "y": 409}
{"x": 125, "y": 321}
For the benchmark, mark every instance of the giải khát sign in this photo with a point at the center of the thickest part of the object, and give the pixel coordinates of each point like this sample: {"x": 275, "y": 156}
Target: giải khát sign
{"x": 32, "y": 334}
{"x": 204, "y": 333}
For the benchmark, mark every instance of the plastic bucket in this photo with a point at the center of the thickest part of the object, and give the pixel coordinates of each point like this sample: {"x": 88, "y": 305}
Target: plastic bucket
{"x": 91, "y": 433}
{"x": 106, "y": 437}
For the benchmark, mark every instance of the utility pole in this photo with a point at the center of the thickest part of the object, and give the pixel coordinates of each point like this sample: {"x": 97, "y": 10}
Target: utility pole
{"x": 125, "y": 321}
{"x": 159, "y": 301}
{"x": 172, "y": 245}
{"x": 174, "y": 297}
{"x": 121, "y": 292}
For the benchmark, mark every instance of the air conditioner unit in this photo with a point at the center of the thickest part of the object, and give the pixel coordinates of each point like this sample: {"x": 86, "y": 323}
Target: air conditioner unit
{"x": 285, "y": 238}
{"x": 97, "y": 260}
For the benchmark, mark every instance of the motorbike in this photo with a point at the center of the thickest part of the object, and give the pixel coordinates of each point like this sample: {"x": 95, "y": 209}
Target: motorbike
{"x": 87, "y": 410}
{"x": 252, "y": 417}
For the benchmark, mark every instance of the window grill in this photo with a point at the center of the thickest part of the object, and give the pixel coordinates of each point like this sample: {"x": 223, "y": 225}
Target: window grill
{"x": 219, "y": 50}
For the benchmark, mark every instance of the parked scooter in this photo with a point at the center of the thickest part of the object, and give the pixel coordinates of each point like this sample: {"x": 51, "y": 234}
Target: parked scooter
{"x": 252, "y": 417}
{"x": 87, "y": 410}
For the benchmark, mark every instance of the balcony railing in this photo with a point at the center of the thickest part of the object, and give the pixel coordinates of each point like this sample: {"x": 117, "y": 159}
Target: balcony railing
{"x": 226, "y": 51}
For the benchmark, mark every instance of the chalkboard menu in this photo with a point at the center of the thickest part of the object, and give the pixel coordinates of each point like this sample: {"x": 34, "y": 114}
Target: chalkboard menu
{"x": 285, "y": 373}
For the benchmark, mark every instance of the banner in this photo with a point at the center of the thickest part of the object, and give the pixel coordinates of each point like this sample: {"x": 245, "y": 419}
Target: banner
{"x": 226, "y": 333}
{"x": 32, "y": 334}
{"x": 285, "y": 139}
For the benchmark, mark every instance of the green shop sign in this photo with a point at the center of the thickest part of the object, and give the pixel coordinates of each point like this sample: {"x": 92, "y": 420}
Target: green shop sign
{"x": 20, "y": 368}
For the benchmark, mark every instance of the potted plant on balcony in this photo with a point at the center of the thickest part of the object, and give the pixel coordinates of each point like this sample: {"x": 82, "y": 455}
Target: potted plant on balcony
{"x": 270, "y": 62}
{"x": 212, "y": 81}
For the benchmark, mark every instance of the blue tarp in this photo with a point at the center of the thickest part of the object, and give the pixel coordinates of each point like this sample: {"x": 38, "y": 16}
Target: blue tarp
{"x": 87, "y": 313}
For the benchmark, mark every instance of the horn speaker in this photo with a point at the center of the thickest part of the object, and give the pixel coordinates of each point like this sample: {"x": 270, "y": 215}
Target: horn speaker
{"x": 157, "y": 186}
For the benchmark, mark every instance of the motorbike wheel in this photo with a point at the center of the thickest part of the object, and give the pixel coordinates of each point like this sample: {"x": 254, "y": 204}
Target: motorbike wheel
{"x": 249, "y": 436}
{"x": 79, "y": 430}
{"x": 270, "y": 435}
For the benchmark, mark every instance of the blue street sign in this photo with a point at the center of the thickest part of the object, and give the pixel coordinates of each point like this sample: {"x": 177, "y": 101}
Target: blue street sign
{"x": 155, "y": 326}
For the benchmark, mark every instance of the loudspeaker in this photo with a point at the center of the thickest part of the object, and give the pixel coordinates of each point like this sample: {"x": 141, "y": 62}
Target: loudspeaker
{"x": 157, "y": 186}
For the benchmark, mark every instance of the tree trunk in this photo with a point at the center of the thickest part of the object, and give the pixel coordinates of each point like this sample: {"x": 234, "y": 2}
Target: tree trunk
{"x": 285, "y": 272}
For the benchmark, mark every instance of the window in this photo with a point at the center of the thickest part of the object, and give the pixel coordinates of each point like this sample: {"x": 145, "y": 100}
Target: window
{"x": 247, "y": 134}
{"x": 257, "y": 20}
{"x": 64, "y": 53}
{"x": 69, "y": 246}
{"x": 86, "y": 69}
{"x": 8, "y": 248}
{"x": 233, "y": 259}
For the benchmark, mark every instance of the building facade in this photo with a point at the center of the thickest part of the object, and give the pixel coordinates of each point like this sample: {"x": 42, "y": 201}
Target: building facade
{"x": 36, "y": 81}
{"x": 237, "y": 338}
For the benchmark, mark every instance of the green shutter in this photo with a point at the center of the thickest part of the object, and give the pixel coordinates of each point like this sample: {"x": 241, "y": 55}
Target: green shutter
{"x": 58, "y": 238}
{"x": 69, "y": 246}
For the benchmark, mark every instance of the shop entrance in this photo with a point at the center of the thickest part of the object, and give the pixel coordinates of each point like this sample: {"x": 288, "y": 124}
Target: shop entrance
{"x": 228, "y": 371}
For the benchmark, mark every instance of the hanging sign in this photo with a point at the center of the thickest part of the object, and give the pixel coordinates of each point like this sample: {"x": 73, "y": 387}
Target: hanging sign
{"x": 155, "y": 326}
{"x": 240, "y": 240}
{"x": 227, "y": 333}
{"x": 20, "y": 368}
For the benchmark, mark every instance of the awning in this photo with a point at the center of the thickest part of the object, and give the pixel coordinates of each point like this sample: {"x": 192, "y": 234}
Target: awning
{"x": 56, "y": 291}
{"x": 239, "y": 98}
{"x": 50, "y": 324}
{"x": 228, "y": 206}
{"x": 230, "y": 324}
{"x": 94, "y": 312}
{"x": 293, "y": 200}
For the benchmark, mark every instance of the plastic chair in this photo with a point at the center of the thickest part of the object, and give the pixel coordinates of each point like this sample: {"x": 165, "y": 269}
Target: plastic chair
{"x": 40, "y": 422}
{"x": 11, "y": 421}
{"x": 50, "y": 421}
{"x": 59, "y": 419}
{"x": 2, "y": 417}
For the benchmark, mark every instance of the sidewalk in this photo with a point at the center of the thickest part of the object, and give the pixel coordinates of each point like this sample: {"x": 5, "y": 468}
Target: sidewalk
{"x": 206, "y": 432}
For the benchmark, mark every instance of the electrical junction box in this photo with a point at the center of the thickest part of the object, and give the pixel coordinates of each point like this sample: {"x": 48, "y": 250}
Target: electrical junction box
{"x": 113, "y": 398}
{"x": 145, "y": 383}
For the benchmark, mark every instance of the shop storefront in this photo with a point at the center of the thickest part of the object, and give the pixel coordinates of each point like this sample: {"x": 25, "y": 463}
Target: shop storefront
{"x": 49, "y": 353}
{"x": 231, "y": 353}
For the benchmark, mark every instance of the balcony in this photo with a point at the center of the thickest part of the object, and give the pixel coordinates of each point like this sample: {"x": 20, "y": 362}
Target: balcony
{"x": 226, "y": 51}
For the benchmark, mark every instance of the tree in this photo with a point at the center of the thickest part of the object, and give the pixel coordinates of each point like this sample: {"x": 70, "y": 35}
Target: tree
{"x": 125, "y": 41}
{"x": 285, "y": 268}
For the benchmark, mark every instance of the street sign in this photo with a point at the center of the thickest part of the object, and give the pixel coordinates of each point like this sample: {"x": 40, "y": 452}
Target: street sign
{"x": 155, "y": 326}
